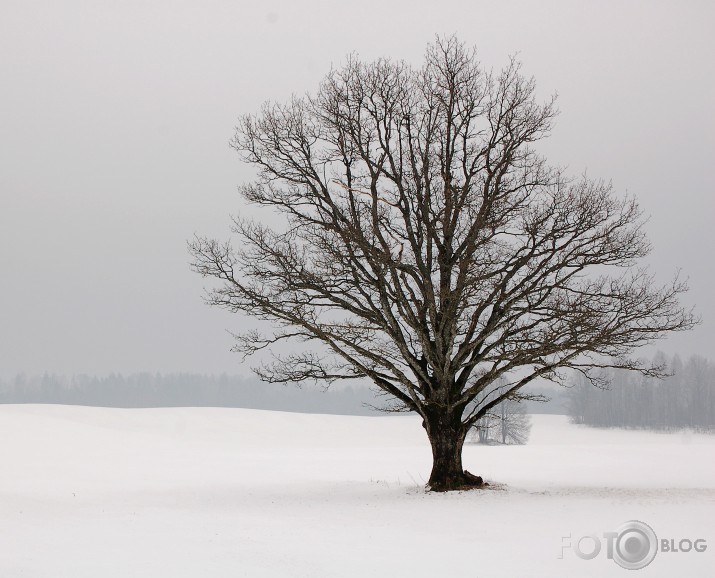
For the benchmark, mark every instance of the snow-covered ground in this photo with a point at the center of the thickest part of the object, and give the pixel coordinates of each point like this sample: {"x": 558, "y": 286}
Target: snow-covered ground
{"x": 98, "y": 493}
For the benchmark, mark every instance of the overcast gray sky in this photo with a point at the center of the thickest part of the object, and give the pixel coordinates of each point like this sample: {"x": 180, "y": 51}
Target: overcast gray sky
{"x": 115, "y": 119}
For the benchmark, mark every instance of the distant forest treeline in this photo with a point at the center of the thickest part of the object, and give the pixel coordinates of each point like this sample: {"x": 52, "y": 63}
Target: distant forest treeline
{"x": 686, "y": 399}
{"x": 197, "y": 390}
{"x": 186, "y": 390}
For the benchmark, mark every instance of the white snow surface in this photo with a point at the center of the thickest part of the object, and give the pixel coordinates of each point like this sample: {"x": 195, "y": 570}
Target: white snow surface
{"x": 207, "y": 492}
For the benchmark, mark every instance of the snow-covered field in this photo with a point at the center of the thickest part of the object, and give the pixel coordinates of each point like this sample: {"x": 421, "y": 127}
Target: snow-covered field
{"x": 95, "y": 493}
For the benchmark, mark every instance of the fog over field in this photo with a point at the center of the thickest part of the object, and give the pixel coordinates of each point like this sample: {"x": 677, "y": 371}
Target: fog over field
{"x": 116, "y": 120}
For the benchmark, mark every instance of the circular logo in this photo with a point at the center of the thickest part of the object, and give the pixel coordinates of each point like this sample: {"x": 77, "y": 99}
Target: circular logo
{"x": 636, "y": 545}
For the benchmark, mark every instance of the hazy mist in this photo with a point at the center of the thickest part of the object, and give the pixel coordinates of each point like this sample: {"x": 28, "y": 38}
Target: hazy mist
{"x": 114, "y": 128}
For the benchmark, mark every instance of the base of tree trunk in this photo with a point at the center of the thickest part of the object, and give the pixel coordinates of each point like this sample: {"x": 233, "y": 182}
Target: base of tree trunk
{"x": 460, "y": 481}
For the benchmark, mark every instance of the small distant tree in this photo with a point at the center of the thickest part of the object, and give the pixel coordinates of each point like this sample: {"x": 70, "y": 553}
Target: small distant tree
{"x": 507, "y": 423}
{"x": 484, "y": 428}
{"x": 426, "y": 246}
{"x": 514, "y": 424}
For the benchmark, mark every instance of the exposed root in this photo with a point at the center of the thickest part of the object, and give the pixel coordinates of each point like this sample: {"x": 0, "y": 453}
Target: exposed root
{"x": 464, "y": 481}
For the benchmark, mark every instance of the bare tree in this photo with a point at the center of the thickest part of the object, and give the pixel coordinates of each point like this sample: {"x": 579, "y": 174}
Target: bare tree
{"x": 484, "y": 428}
{"x": 507, "y": 422}
{"x": 514, "y": 424}
{"x": 425, "y": 245}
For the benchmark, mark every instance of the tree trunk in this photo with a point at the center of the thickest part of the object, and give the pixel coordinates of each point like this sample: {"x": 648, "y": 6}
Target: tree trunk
{"x": 446, "y": 434}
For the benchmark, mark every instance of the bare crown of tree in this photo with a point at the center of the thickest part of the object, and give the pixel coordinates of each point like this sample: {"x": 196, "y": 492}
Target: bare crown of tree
{"x": 428, "y": 247}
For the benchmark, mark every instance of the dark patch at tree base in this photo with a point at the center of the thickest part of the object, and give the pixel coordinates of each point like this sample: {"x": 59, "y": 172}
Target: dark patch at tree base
{"x": 464, "y": 481}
